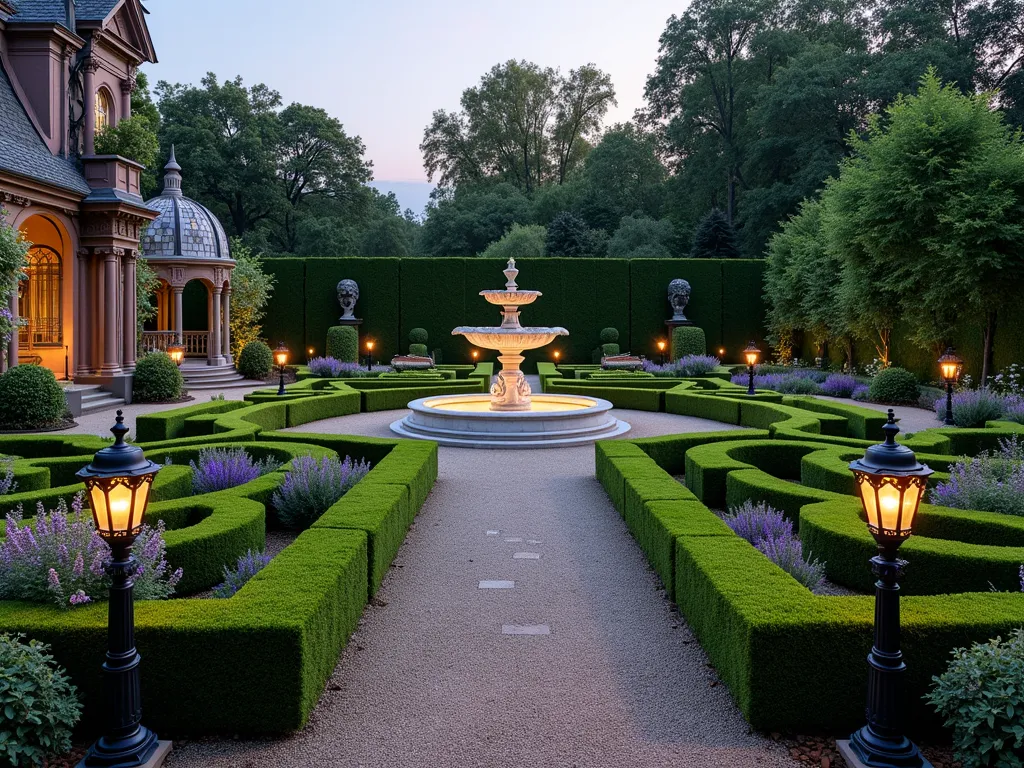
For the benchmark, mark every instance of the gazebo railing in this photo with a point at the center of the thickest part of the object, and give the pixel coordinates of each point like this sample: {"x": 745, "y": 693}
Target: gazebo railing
{"x": 196, "y": 343}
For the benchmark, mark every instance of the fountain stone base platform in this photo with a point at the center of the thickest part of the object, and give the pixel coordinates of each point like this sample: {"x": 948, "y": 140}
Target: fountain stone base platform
{"x": 467, "y": 421}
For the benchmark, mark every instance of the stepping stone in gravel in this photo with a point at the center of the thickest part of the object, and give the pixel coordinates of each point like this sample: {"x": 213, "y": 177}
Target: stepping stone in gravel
{"x": 525, "y": 629}
{"x": 514, "y": 541}
{"x": 497, "y": 585}
{"x": 493, "y": 533}
{"x": 526, "y": 556}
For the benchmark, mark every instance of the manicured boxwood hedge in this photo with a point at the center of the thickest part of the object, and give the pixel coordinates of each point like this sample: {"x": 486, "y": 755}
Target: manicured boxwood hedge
{"x": 265, "y": 654}
{"x": 757, "y": 624}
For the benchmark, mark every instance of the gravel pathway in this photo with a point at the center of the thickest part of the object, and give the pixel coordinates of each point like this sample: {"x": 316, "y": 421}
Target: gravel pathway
{"x": 433, "y": 677}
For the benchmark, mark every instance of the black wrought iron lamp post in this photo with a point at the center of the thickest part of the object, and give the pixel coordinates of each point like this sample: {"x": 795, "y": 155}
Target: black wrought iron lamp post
{"x": 281, "y": 358}
{"x": 118, "y": 482}
{"x": 661, "y": 348}
{"x": 369, "y": 355}
{"x": 950, "y": 367}
{"x": 751, "y": 355}
{"x": 891, "y": 483}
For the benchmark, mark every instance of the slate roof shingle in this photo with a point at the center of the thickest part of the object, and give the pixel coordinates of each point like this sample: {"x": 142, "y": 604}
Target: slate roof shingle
{"x": 53, "y": 11}
{"x": 22, "y": 150}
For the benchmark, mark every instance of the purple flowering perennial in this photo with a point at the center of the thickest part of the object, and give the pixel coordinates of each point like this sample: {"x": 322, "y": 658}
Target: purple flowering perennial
{"x": 64, "y": 560}
{"x": 989, "y": 482}
{"x": 312, "y": 486}
{"x": 222, "y": 468}
{"x": 248, "y": 565}
{"x": 839, "y": 385}
{"x": 772, "y": 534}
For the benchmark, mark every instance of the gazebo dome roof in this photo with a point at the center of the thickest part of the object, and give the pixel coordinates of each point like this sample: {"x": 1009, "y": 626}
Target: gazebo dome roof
{"x": 184, "y": 229}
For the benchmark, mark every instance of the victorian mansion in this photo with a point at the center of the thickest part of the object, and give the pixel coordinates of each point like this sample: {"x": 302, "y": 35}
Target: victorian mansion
{"x": 67, "y": 71}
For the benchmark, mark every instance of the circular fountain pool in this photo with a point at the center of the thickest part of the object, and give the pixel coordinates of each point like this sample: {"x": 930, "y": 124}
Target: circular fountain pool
{"x": 468, "y": 421}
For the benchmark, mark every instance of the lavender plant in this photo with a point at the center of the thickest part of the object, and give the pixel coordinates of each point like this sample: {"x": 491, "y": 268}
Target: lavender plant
{"x": 222, "y": 468}
{"x": 248, "y": 565}
{"x": 330, "y": 368}
{"x": 755, "y": 522}
{"x": 64, "y": 559}
{"x": 787, "y": 552}
{"x": 989, "y": 482}
{"x": 973, "y": 407}
{"x": 840, "y": 385}
{"x": 785, "y": 383}
{"x": 312, "y": 486}
{"x": 689, "y": 365}
{"x": 772, "y": 534}
{"x": 7, "y": 482}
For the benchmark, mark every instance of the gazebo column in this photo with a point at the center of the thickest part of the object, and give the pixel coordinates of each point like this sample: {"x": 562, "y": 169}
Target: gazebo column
{"x": 216, "y": 355}
{"x": 110, "y": 298}
{"x": 178, "y": 316}
{"x": 89, "y": 96}
{"x": 226, "y": 329}
{"x": 129, "y": 313}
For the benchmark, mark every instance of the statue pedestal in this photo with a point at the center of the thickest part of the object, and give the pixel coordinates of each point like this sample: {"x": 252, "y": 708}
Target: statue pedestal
{"x": 353, "y": 321}
{"x": 673, "y": 324}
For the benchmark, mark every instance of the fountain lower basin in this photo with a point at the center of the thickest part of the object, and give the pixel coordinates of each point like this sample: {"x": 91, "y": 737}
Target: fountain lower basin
{"x": 467, "y": 421}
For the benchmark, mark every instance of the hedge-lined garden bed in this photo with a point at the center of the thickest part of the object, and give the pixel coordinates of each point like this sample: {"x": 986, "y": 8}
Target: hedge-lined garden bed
{"x": 257, "y": 662}
{"x": 794, "y": 660}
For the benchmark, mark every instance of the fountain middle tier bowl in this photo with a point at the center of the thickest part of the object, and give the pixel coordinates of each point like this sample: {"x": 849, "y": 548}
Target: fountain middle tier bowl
{"x": 511, "y": 298}
{"x": 510, "y": 339}
{"x": 467, "y": 421}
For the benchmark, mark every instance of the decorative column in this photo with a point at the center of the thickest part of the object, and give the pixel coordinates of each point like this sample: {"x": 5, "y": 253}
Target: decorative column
{"x": 89, "y": 87}
{"x": 226, "y": 329}
{"x": 83, "y": 318}
{"x": 127, "y": 87}
{"x": 216, "y": 357}
{"x": 110, "y": 294}
{"x": 178, "y": 318}
{"x": 12, "y": 348}
{"x": 129, "y": 314}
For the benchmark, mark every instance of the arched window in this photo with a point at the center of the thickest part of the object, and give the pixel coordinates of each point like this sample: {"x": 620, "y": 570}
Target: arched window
{"x": 104, "y": 110}
{"x": 41, "y": 298}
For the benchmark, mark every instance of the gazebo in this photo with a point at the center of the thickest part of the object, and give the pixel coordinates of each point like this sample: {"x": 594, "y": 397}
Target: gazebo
{"x": 185, "y": 243}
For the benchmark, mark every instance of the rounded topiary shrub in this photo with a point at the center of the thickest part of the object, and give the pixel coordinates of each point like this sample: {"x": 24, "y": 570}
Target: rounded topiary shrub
{"x": 39, "y": 703}
{"x": 609, "y": 335}
{"x": 343, "y": 343}
{"x": 688, "y": 340}
{"x": 609, "y": 349}
{"x": 256, "y": 361}
{"x": 418, "y": 336}
{"x": 30, "y": 398}
{"x": 157, "y": 379}
{"x": 897, "y": 386}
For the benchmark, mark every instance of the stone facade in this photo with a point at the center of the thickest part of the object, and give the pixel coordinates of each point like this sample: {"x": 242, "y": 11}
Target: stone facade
{"x": 65, "y": 72}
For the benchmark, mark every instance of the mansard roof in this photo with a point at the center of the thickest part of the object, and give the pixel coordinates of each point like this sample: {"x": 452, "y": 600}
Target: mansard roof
{"x": 22, "y": 150}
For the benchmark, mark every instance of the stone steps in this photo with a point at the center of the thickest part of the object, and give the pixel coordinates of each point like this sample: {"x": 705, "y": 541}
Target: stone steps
{"x": 96, "y": 399}
{"x": 204, "y": 377}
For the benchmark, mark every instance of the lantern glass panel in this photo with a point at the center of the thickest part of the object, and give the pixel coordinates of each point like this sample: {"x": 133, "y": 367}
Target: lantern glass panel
{"x": 751, "y": 358}
{"x": 867, "y": 495}
{"x": 889, "y": 507}
{"x": 282, "y": 358}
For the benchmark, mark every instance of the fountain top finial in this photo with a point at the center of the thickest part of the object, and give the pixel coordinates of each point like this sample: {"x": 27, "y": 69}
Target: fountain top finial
{"x": 511, "y": 273}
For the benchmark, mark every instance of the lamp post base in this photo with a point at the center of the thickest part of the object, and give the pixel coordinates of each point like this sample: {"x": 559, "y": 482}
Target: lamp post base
{"x": 852, "y": 752}
{"x": 152, "y": 755}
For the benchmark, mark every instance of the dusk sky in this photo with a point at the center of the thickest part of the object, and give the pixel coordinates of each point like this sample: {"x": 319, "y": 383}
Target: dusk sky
{"x": 383, "y": 67}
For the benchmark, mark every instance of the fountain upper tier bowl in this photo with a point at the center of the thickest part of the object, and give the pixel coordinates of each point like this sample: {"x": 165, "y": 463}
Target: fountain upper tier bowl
{"x": 511, "y": 298}
{"x": 553, "y": 421}
{"x": 509, "y": 339}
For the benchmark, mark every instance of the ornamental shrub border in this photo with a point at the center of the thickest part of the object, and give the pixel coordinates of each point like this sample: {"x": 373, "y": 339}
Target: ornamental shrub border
{"x": 794, "y": 660}
{"x": 265, "y": 654}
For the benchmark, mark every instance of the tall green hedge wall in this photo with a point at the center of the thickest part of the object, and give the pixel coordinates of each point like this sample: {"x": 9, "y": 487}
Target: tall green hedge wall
{"x": 582, "y": 295}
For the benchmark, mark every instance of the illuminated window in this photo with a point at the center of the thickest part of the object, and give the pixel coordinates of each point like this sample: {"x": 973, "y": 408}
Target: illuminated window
{"x": 41, "y": 298}
{"x": 104, "y": 110}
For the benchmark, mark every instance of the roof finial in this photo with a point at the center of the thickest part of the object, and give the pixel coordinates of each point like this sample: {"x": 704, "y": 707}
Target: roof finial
{"x": 172, "y": 176}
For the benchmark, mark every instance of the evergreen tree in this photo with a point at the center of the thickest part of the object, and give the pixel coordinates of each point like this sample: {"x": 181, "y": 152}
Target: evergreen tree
{"x": 715, "y": 238}
{"x": 569, "y": 235}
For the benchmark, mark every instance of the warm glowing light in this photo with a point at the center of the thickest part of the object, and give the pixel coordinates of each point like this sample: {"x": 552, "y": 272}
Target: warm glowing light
{"x": 310, "y": 351}
{"x": 281, "y": 355}
{"x": 721, "y": 351}
{"x": 475, "y": 354}
{"x": 557, "y": 354}
{"x": 177, "y": 353}
{"x": 483, "y": 405}
{"x": 751, "y": 354}
{"x": 950, "y": 366}
{"x": 369, "y": 345}
{"x": 661, "y": 346}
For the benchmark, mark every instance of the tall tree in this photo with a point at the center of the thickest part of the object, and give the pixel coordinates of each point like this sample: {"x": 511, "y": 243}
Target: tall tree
{"x": 227, "y": 135}
{"x": 523, "y": 124}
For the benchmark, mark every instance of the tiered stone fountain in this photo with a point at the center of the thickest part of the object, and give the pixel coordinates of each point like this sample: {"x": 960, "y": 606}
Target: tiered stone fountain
{"x": 512, "y": 416}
